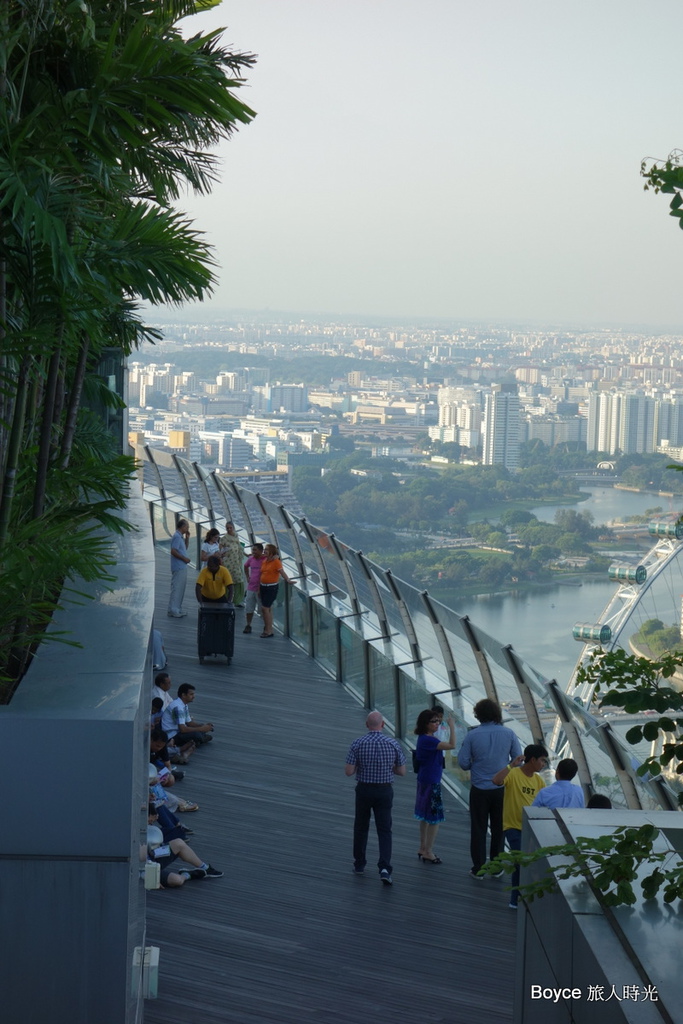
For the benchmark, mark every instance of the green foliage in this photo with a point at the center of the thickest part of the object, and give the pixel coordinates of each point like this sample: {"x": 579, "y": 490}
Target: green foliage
{"x": 609, "y": 865}
{"x": 108, "y": 114}
{"x": 638, "y": 685}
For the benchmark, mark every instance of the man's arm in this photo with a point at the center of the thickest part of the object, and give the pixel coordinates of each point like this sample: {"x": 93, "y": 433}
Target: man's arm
{"x": 500, "y": 777}
{"x": 193, "y": 726}
{"x": 515, "y": 747}
{"x": 465, "y": 754}
{"x": 399, "y": 767}
{"x": 198, "y": 592}
{"x": 349, "y": 769}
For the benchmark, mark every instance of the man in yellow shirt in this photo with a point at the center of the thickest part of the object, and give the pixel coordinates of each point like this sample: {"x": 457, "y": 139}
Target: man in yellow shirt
{"x": 214, "y": 583}
{"x": 522, "y": 782}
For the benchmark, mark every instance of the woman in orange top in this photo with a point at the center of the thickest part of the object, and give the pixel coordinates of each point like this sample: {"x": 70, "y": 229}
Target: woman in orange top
{"x": 271, "y": 571}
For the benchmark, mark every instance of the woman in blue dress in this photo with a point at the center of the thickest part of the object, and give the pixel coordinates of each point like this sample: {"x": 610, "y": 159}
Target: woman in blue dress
{"x": 428, "y": 802}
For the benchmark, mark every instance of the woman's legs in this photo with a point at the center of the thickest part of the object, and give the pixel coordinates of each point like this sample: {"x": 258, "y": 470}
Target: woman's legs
{"x": 423, "y": 837}
{"x": 428, "y": 839}
{"x": 267, "y": 614}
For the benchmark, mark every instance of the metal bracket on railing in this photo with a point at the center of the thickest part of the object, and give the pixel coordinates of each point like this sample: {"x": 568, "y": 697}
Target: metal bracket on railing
{"x": 385, "y": 636}
{"x": 354, "y": 615}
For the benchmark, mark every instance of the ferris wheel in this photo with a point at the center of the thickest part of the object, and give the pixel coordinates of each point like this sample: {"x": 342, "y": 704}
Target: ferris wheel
{"x": 633, "y": 583}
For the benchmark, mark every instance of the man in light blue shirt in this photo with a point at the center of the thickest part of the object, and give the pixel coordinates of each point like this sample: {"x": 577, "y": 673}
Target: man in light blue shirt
{"x": 562, "y": 793}
{"x": 485, "y": 750}
{"x": 179, "y": 564}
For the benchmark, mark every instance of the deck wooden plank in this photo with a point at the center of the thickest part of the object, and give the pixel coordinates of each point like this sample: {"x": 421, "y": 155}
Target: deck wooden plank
{"x": 289, "y": 934}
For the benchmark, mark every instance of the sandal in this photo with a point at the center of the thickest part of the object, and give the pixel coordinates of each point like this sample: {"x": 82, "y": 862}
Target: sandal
{"x": 266, "y": 636}
{"x": 432, "y": 860}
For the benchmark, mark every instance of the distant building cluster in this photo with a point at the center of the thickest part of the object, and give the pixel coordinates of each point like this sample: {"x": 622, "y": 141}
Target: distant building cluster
{"x": 484, "y": 389}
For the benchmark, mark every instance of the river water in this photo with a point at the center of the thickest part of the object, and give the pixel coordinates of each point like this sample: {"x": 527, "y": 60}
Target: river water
{"x": 539, "y": 623}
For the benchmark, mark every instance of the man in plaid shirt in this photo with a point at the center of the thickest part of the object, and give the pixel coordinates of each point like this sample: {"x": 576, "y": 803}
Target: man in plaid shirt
{"x": 374, "y": 759}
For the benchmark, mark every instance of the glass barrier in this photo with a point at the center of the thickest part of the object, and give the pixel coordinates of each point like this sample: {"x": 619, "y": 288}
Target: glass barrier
{"x": 381, "y": 674}
{"x": 352, "y": 650}
{"x": 357, "y": 618}
{"x": 299, "y": 619}
{"x": 325, "y": 634}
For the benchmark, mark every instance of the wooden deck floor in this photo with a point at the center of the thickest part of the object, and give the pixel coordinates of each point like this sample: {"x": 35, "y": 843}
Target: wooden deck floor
{"x": 289, "y": 934}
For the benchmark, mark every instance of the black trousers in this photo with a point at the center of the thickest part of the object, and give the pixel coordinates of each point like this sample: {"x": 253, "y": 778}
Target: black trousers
{"x": 374, "y": 799}
{"x": 486, "y": 808}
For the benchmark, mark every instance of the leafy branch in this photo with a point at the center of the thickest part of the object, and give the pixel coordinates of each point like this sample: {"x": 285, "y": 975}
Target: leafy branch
{"x": 636, "y": 685}
{"x": 609, "y": 864}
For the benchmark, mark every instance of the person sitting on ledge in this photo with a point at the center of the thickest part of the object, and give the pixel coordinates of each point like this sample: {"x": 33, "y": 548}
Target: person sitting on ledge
{"x": 178, "y": 723}
{"x": 176, "y": 849}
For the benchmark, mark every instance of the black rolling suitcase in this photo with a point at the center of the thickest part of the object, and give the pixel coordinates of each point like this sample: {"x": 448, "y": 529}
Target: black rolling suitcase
{"x": 215, "y": 631}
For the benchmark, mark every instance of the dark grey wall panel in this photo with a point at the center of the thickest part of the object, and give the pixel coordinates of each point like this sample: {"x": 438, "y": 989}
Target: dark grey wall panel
{"x": 75, "y": 735}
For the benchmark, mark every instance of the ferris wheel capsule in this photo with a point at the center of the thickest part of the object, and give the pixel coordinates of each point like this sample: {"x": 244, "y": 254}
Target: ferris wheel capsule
{"x": 627, "y": 573}
{"x": 666, "y": 529}
{"x": 592, "y": 633}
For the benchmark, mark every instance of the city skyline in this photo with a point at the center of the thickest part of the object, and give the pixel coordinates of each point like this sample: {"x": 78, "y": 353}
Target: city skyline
{"x": 448, "y": 161}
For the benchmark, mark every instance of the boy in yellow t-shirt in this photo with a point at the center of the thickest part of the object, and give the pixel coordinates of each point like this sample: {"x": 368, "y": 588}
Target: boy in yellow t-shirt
{"x": 522, "y": 782}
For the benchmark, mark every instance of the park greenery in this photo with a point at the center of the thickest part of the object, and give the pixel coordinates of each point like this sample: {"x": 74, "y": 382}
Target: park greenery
{"x": 108, "y": 113}
{"x": 411, "y": 517}
{"x": 658, "y": 638}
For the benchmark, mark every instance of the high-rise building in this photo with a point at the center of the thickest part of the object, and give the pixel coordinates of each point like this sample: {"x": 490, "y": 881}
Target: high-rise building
{"x": 501, "y": 430}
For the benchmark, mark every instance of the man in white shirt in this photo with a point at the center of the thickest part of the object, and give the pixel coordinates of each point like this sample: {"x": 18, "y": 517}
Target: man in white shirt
{"x": 178, "y": 723}
{"x": 179, "y": 564}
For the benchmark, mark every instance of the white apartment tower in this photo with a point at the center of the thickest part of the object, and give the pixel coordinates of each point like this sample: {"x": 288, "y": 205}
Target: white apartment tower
{"x": 501, "y": 430}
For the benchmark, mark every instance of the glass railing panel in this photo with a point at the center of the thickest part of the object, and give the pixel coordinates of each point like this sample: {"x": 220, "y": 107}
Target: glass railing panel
{"x": 603, "y": 772}
{"x": 279, "y": 523}
{"x": 352, "y": 661}
{"x": 363, "y": 590}
{"x": 325, "y": 637}
{"x": 382, "y": 689}
{"x": 635, "y": 754}
{"x": 299, "y": 617}
{"x": 465, "y": 662}
{"x": 250, "y": 502}
{"x": 333, "y": 568}
{"x": 390, "y": 605}
{"x": 416, "y": 700}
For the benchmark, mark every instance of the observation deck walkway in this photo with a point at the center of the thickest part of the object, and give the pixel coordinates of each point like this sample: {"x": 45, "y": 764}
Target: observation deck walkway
{"x": 289, "y": 934}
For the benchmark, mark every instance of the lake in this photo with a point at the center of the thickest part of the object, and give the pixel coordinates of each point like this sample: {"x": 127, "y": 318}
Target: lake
{"x": 538, "y": 623}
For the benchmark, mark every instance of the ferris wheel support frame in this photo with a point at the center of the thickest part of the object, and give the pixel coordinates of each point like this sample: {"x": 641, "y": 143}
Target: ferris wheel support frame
{"x": 620, "y": 608}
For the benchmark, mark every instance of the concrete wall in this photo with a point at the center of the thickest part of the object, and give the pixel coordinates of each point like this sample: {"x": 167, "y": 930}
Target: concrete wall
{"x": 73, "y": 745}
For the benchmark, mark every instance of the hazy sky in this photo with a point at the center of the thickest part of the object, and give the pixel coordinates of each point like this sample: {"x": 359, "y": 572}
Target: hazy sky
{"x": 451, "y": 158}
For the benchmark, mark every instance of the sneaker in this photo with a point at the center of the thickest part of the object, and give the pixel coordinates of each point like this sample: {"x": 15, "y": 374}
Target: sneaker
{"x": 473, "y": 874}
{"x": 187, "y": 831}
{"x": 212, "y": 873}
{"x": 512, "y": 906}
{"x": 498, "y": 874}
{"x": 359, "y": 871}
{"x": 197, "y": 873}
{"x": 177, "y": 774}
{"x": 247, "y": 629}
{"x": 385, "y": 877}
